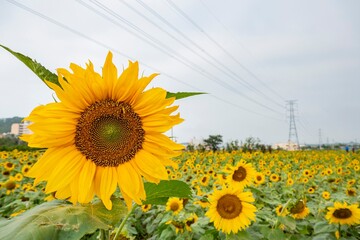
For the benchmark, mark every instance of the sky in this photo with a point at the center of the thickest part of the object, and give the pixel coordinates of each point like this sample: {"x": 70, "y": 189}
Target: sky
{"x": 251, "y": 57}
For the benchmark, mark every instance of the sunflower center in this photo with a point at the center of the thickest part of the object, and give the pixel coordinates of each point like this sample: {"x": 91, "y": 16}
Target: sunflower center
{"x": 342, "y": 213}
{"x": 229, "y": 206}
{"x": 109, "y": 133}
{"x": 259, "y": 178}
{"x": 174, "y": 206}
{"x": 10, "y": 185}
{"x": 239, "y": 174}
{"x": 298, "y": 208}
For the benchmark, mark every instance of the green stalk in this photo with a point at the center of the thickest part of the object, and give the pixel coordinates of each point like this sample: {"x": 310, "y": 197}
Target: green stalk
{"x": 118, "y": 231}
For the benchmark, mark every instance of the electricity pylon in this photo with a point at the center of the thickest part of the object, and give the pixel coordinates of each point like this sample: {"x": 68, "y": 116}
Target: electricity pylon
{"x": 293, "y": 136}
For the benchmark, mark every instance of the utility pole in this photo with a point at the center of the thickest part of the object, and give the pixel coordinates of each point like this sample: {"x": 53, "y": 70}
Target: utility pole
{"x": 293, "y": 136}
{"x": 172, "y": 135}
{"x": 320, "y": 138}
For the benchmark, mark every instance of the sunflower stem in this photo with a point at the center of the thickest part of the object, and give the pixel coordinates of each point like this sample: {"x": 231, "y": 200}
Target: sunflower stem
{"x": 118, "y": 231}
{"x": 339, "y": 229}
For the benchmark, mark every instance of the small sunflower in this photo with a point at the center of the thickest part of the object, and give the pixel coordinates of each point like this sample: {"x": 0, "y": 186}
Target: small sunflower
{"x": 259, "y": 178}
{"x": 9, "y": 166}
{"x": 203, "y": 202}
{"x": 25, "y": 169}
{"x": 274, "y": 177}
{"x": 18, "y": 177}
{"x": 204, "y": 181}
{"x": 281, "y": 211}
{"x": 190, "y": 221}
{"x": 175, "y": 205}
{"x": 343, "y": 214}
{"x": 351, "y": 192}
{"x": 299, "y": 210}
{"x": 104, "y": 131}
{"x": 145, "y": 207}
{"x": 325, "y": 195}
{"x": 241, "y": 175}
{"x": 289, "y": 182}
{"x": 179, "y": 226}
{"x": 231, "y": 209}
{"x": 311, "y": 190}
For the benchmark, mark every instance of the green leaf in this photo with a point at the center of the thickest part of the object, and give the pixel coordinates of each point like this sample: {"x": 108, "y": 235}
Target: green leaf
{"x": 59, "y": 220}
{"x": 324, "y": 227}
{"x": 37, "y": 68}
{"x": 289, "y": 222}
{"x": 276, "y": 234}
{"x": 160, "y": 193}
{"x": 180, "y": 95}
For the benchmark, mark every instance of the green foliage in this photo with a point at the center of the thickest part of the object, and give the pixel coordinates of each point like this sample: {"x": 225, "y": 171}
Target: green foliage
{"x": 213, "y": 142}
{"x": 180, "y": 95}
{"x": 60, "y": 220}
{"x": 160, "y": 193}
{"x": 37, "y": 68}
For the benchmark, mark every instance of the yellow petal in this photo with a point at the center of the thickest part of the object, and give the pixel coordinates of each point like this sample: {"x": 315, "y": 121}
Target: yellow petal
{"x": 149, "y": 165}
{"x": 86, "y": 180}
{"x": 68, "y": 167}
{"x": 108, "y": 185}
{"x": 130, "y": 182}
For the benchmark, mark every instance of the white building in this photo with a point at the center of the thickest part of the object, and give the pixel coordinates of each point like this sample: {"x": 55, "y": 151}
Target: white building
{"x": 20, "y": 128}
{"x": 290, "y": 146}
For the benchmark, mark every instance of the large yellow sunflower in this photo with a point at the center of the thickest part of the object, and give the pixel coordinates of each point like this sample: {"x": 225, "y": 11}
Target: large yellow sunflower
{"x": 103, "y": 131}
{"x": 231, "y": 209}
{"x": 343, "y": 214}
{"x": 240, "y": 175}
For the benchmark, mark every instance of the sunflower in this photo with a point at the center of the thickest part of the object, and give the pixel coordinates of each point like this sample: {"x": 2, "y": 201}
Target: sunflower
{"x": 190, "y": 221}
{"x": 203, "y": 202}
{"x": 9, "y": 166}
{"x": 299, "y": 210}
{"x": 25, "y": 169}
{"x": 18, "y": 177}
{"x": 179, "y": 226}
{"x": 311, "y": 190}
{"x": 175, "y": 205}
{"x": 11, "y": 185}
{"x": 274, "y": 177}
{"x": 241, "y": 175}
{"x": 231, "y": 209}
{"x": 325, "y": 195}
{"x": 351, "y": 192}
{"x": 145, "y": 207}
{"x": 343, "y": 214}
{"x": 204, "y": 181}
{"x": 289, "y": 182}
{"x": 259, "y": 178}
{"x": 104, "y": 131}
{"x": 281, "y": 211}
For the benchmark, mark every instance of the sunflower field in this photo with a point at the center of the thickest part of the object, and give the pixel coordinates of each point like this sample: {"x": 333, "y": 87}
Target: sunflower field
{"x": 281, "y": 195}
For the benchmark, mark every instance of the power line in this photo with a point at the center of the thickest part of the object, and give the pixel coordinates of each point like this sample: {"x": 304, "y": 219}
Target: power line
{"x": 160, "y": 46}
{"x": 59, "y": 24}
{"x": 226, "y": 70}
{"x": 182, "y": 13}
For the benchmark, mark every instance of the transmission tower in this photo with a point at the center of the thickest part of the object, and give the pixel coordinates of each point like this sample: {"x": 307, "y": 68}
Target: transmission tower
{"x": 293, "y": 136}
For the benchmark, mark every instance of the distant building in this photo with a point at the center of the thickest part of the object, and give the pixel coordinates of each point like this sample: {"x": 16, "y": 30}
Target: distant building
{"x": 290, "y": 146}
{"x": 19, "y": 129}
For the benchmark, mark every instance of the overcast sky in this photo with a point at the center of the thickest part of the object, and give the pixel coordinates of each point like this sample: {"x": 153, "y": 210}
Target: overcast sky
{"x": 249, "y": 56}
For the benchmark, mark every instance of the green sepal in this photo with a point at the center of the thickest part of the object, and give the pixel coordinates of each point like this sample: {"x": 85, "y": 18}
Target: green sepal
{"x": 60, "y": 220}
{"x": 180, "y": 95}
{"x": 160, "y": 193}
{"x": 37, "y": 68}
